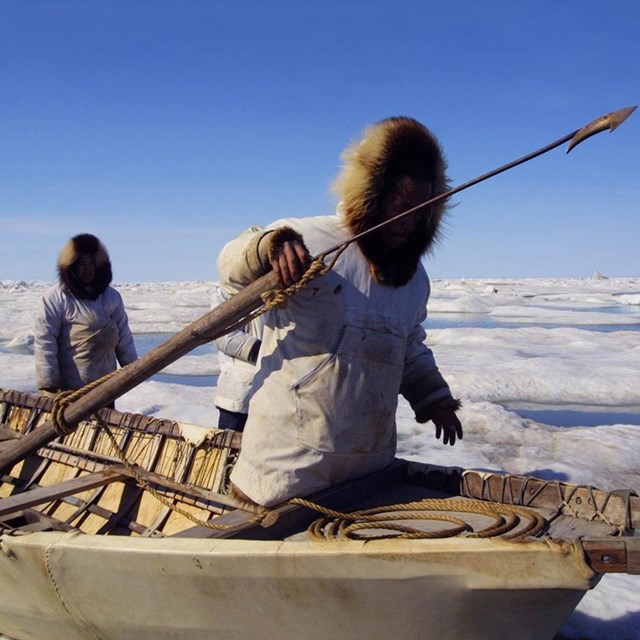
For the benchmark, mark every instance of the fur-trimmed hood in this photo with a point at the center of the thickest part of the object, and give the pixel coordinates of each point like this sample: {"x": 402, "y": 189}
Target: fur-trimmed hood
{"x": 84, "y": 244}
{"x": 389, "y": 149}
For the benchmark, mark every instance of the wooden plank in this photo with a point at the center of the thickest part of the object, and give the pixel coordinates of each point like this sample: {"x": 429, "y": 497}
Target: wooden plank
{"x": 25, "y": 399}
{"x": 633, "y": 556}
{"x": 293, "y": 518}
{"x": 613, "y": 555}
{"x": 112, "y": 519}
{"x": 57, "y": 491}
{"x": 82, "y": 508}
{"x": 42, "y": 522}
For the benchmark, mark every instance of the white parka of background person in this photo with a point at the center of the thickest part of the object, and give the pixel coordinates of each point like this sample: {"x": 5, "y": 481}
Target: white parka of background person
{"x": 81, "y": 329}
{"x": 333, "y": 362}
{"x": 237, "y": 355}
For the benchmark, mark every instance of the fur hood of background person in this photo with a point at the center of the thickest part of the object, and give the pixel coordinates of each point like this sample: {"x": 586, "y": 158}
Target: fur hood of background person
{"x": 84, "y": 244}
{"x": 389, "y": 149}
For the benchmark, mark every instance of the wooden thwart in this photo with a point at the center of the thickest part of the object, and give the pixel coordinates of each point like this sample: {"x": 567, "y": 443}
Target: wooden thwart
{"x": 60, "y": 490}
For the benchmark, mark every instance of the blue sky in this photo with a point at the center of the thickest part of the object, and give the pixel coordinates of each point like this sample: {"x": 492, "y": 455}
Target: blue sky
{"x": 166, "y": 128}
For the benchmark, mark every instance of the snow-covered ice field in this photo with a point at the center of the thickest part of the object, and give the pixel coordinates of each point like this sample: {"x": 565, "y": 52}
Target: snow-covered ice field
{"x": 548, "y": 371}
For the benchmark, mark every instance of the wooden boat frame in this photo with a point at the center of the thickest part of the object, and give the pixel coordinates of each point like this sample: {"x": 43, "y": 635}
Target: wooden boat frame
{"x": 164, "y": 492}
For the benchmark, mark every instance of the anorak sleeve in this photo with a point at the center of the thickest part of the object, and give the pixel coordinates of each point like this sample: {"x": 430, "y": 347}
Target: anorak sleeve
{"x": 46, "y": 332}
{"x": 125, "y": 349}
{"x": 237, "y": 344}
{"x": 244, "y": 259}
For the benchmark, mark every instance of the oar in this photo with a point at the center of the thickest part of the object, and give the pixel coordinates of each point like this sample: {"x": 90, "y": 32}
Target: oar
{"x": 216, "y": 321}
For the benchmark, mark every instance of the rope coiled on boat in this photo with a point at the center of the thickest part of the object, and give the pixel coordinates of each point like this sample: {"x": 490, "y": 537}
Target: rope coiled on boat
{"x": 334, "y": 525}
{"x": 349, "y": 526}
{"x": 389, "y": 521}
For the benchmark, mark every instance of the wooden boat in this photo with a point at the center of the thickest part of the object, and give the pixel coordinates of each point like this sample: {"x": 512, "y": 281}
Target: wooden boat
{"x": 124, "y": 530}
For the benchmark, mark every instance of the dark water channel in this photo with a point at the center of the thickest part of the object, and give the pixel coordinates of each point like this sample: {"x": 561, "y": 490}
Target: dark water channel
{"x": 577, "y": 416}
{"x": 484, "y": 321}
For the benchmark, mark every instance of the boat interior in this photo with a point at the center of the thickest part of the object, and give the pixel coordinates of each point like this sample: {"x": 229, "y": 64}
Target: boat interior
{"x": 124, "y": 474}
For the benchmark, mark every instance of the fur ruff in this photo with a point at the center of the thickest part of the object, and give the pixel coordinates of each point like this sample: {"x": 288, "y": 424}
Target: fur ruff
{"x": 390, "y": 149}
{"x": 84, "y": 244}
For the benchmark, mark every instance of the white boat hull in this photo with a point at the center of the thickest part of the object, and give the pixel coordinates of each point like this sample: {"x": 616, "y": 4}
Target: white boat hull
{"x": 69, "y": 586}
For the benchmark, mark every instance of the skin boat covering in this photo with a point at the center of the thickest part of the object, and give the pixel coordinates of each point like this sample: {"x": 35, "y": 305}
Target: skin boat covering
{"x": 69, "y": 585}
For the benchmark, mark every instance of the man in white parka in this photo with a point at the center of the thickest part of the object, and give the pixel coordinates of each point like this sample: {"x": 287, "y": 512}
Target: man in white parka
{"x": 81, "y": 329}
{"x": 333, "y": 362}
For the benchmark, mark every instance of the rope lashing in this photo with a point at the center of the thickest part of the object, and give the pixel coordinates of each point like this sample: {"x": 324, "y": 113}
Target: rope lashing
{"x": 60, "y": 403}
{"x": 64, "y": 398}
{"x": 278, "y": 298}
{"x": 335, "y": 525}
{"x": 261, "y": 512}
{"x": 272, "y": 299}
{"x": 317, "y": 268}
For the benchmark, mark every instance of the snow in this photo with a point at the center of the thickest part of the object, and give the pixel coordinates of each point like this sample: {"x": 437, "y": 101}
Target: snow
{"x": 564, "y": 349}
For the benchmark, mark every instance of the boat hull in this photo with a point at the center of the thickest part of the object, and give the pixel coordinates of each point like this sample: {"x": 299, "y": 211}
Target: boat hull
{"x": 125, "y": 530}
{"x": 68, "y": 586}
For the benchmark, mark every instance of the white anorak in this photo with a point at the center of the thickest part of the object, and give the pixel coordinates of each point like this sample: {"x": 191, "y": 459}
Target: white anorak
{"x": 77, "y": 340}
{"x": 331, "y": 366}
{"x": 233, "y": 388}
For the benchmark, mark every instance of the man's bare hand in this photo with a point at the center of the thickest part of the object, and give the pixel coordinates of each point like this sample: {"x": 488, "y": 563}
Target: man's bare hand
{"x": 290, "y": 263}
{"x": 447, "y": 425}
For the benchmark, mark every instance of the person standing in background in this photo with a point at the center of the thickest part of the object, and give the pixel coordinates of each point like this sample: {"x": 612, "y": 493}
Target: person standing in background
{"x": 81, "y": 330}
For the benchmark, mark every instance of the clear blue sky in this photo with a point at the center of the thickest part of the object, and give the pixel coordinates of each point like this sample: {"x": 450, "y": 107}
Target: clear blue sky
{"x": 166, "y": 128}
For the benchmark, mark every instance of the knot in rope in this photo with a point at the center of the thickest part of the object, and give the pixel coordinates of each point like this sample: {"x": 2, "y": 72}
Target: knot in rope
{"x": 60, "y": 402}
